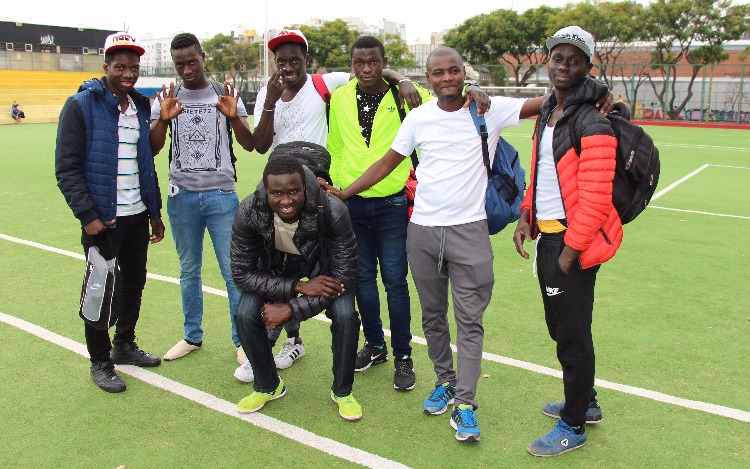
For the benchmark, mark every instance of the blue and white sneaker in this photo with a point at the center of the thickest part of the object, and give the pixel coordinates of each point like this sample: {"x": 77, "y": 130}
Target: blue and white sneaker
{"x": 440, "y": 398}
{"x": 464, "y": 421}
{"x": 560, "y": 440}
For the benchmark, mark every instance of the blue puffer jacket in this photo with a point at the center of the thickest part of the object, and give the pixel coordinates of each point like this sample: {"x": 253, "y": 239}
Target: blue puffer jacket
{"x": 86, "y": 153}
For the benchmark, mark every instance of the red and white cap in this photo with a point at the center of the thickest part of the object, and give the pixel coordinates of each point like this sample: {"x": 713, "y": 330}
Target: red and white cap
{"x": 287, "y": 35}
{"x": 122, "y": 40}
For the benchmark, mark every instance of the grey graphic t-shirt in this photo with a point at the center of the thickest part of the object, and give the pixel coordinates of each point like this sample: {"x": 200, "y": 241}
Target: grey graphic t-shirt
{"x": 200, "y": 142}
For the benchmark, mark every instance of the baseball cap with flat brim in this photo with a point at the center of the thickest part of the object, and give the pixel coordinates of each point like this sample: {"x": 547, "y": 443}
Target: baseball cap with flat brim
{"x": 287, "y": 35}
{"x": 121, "y": 40}
{"x": 573, "y": 35}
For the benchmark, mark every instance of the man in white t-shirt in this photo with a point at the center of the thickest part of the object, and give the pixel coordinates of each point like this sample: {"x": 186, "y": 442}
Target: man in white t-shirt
{"x": 447, "y": 237}
{"x": 290, "y": 109}
{"x": 202, "y": 193}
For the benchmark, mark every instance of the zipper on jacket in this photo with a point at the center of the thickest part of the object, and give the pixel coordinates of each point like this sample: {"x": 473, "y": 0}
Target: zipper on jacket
{"x": 606, "y": 239}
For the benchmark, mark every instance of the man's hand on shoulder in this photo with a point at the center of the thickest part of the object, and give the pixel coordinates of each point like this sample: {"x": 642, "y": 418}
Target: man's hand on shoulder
{"x": 338, "y": 193}
{"x": 322, "y": 285}
{"x": 473, "y": 93}
{"x": 409, "y": 94}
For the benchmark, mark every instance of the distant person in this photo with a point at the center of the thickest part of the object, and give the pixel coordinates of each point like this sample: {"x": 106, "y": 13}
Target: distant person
{"x": 290, "y": 109}
{"x": 105, "y": 170}
{"x": 202, "y": 192}
{"x": 17, "y": 112}
{"x": 568, "y": 210}
{"x": 619, "y": 99}
{"x": 287, "y": 231}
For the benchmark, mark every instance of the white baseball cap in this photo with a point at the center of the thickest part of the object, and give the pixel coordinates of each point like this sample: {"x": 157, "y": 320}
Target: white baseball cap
{"x": 287, "y": 35}
{"x": 574, "y": 35}
{"x": 122, "y": 40}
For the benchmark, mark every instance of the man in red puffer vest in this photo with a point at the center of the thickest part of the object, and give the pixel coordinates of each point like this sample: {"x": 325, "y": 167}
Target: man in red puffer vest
{"x": 569, "y": 206}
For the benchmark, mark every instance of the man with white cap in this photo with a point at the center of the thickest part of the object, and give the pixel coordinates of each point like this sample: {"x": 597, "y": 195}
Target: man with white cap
{"x": 105, "y": 170}
{"x": 291, "y": 108}
{"x": 568, "y": 205}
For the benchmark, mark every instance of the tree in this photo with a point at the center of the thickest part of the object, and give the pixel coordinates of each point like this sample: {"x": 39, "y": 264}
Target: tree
{"x": 397, "y": 52}
{"x": 675, "y": 25}
{"x": 329, "y": 44}
{"x": 218, "y": 60}
{"x": 506, "y": 37}
{"x": 614, "y": 25}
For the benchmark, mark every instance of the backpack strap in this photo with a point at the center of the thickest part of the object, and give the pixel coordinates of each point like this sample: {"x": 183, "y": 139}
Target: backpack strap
{"x": 219, "y": 89}
{"x": 481, "y": 127}
{"x": 402, "y": 116}
{"x": 322, "y": 89}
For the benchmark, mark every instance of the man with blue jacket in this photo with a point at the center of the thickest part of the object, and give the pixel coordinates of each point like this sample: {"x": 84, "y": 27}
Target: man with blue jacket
{"x": 105, "y": 170}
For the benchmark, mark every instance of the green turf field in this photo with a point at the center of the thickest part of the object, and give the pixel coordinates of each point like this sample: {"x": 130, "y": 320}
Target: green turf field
{"x": 671, "y": 331}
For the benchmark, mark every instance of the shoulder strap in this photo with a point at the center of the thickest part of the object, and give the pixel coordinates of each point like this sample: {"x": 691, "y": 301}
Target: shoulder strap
{"x": 402, "y": 116}
{"x": 481, "y": 126}
{"x": 574, "y": 130}
{"x": 322, "y": 89}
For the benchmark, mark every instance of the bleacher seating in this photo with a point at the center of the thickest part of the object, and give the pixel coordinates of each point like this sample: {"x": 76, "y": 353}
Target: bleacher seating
{"x": 41, "y": 94}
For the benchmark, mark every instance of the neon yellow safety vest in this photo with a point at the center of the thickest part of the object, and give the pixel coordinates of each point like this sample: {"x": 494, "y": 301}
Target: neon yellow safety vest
{"x": 350, "y": 155}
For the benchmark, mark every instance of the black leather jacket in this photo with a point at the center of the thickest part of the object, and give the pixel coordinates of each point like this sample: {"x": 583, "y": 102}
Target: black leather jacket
{"x": 257, "y": 265}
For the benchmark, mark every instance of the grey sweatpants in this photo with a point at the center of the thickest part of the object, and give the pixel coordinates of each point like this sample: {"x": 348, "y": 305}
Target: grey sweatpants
{"x": 463, "y": 255}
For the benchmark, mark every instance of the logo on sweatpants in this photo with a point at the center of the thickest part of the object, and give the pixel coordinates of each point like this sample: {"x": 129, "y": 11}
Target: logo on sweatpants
{"x": 553, "y": 291}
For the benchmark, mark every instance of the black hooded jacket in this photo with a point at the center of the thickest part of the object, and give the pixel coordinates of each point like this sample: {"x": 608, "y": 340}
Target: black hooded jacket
{"x": 257, "y": 265}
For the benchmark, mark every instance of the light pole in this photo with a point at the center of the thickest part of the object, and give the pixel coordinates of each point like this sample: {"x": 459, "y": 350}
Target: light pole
{"x": 265, "y": 48}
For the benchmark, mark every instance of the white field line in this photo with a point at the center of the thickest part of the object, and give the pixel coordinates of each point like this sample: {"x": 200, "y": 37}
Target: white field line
{"x": 731, "y": 167}
{"x": 294, "y": 433}
{"x": 678, "y": 182}
{"x": 723, "y": 411}
{"x": 700, "y": 213}
{"x": 661, "y": 144}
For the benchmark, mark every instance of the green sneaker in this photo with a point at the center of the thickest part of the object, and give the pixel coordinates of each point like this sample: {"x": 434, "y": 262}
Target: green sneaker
{"x": 255, "y": 401}
{"x": 349, "y": 408}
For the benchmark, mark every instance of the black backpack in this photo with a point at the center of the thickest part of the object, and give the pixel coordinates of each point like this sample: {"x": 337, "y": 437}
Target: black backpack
{"x": 309, "y": 154}
{"x": 637, "y": 164}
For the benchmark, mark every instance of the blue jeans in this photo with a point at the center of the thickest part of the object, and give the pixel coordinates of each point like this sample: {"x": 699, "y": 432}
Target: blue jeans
{"x": 380, "y": 227}
{"x": 344, "y": 335}
{"x": 190, "y": 213}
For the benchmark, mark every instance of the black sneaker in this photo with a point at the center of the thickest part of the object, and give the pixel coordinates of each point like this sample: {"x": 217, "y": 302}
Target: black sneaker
{"x": 129, "y": 354}
{"x": 370, "y": 355}
{"x": 103, "y": 374}
{"x": 404, "y": 378}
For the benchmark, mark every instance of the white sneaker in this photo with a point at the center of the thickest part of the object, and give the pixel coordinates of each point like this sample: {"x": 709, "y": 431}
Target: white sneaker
{"x": 289, "y": 353}
{"x": 244, "y": 373}
{"x": 180, "y": 349}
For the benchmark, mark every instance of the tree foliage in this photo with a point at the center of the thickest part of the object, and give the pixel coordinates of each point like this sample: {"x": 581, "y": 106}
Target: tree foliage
{"x": 329, "y": 44}
{"x": 397, "y": 52}
{"x": 229, "y": 60}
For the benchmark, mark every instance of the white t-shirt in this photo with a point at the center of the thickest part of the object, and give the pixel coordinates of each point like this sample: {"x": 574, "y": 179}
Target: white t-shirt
{"x": 548, "y": 201}
{"x": 304, "y": 117}
{"x": 200, "y": 142}
{"x": 451, "y": 172}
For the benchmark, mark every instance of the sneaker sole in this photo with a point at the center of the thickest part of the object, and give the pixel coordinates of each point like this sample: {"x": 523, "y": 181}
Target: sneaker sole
{"x": 345, "y": 417}
{"x": 372, "y": 363}
{"x": 242, "y": 380}
{"x": 245, "y": 411}
{"x": 440, "y": 412}
{"x": 469, "y": 439}
{"x": 399, "y": 388}
{"x": 589, "y": 422}
{"x": 558, "y": 454}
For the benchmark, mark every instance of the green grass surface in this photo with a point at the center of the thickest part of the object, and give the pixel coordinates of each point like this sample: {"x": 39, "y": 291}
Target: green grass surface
{"x": 671, "y": 316}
